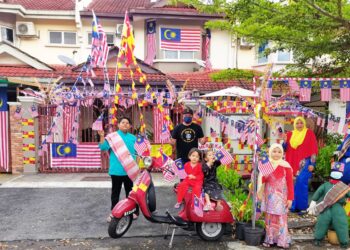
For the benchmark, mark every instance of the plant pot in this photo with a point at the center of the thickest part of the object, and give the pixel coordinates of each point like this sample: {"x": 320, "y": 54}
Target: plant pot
{"x": 254, "y": 236}
{"x": 332, "y": 237}
{"x": 240, "y": 230}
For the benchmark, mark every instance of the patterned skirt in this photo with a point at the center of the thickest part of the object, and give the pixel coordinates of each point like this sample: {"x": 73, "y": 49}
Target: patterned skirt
{"x": 277, "y": 230}
{"x": 213, "y": 189}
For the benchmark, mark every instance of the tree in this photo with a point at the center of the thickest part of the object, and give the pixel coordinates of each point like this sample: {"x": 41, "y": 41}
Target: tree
{"x": 318, "y": 32}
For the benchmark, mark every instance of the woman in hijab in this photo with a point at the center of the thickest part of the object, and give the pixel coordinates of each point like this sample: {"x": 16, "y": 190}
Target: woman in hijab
{"x": 301, "y": 150}
{"x": 276, "y": 193}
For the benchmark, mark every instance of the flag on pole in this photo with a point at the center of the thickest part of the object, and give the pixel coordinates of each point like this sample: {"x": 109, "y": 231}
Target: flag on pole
{"x": 180, "y": 169}
{"x": 99, "y": 46}
{"x": 198, "y": 206}
{"x": 268, "y": 90}
{"x": 169, "y": 170}
{"x": 265, "y": 167}
{"x": 159, "y": 120}
{"x": 326, "y": 90}
{"x": 151, "y": 42}
{"x": 142, "y": 146}
{"x": 223, "y": 156}
{"x": 127, "y": 44}
{"x": 259, "y": 140}
{"x": 344, "y": 90}
{"x": 305, "y": 91}
{"x": 98, "y": 124}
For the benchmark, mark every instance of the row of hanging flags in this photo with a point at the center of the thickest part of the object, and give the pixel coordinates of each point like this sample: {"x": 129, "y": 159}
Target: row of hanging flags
{"x": 304, "y": 87}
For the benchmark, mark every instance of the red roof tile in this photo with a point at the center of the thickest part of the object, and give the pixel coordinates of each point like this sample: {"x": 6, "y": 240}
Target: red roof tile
{"x": 69, "y": 75}
{"x": 201, "y": 81}
{"x": 116, "y": 7}
{"x": 44, "y": 4}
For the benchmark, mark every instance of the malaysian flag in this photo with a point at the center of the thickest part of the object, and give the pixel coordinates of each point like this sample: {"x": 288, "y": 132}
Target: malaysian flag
{"x": 165, "y": 134}
{"x": 142, "y": 146}
{"x": 180, "y": 169}
{"x": 151, "y": 42}
{"x": 169, "y": 171}
{"x": 268, "y": 90}
{"x": 293, "y": 85}
{"x": 305, "y": 91}
{"x": 4, "y": 133}
{"x": 198, "y": 206}
{"x": 99, "y": 46}
{"x": 265, "y": 167}
{"x": 326, "y": 90}
{"x": 344, "y": 90}
{"x": 18, "y": 112}
{"x": 180, "y": 39}
{"x": 223, "y": 156}
{"x": 34, "y": 111}
{"x": 158, "y": 124}
{"x": 206, "y": 50}
{"x": 70, "y": 120}
{"x": 98, "y": 124}
{"x": 65, "y": 155}
{"x": 213, "y": 133}
{"x": 259, "y": 140}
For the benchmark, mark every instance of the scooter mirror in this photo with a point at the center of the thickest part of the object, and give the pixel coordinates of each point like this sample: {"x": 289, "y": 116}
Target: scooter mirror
{"x": 147, "y": 161}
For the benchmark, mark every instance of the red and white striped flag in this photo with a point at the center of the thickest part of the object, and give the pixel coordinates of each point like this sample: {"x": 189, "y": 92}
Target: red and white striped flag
{"x": 305, "y": 91}
{"x": 223, "y": 156}
{"x": 268, "y": 90}
{"x": 259, "y": 140}
{"x": 206, "y": 50}
{"x": 70, "y": 114}
{"x": 99, "y": 46}
{"x": 87, "y": 156}
{"x": 151, "y": 42}
{"x": 158, "y": 122}
{"x": 142, "y": 146}
{"x": 293, "y": 85}
{"x": 344, "y": 90}
{"x": 326, "y": 90}
{"x": 4, "y": 142}
{"x": 180, "y": 39}
{"x": 265, "y": 167}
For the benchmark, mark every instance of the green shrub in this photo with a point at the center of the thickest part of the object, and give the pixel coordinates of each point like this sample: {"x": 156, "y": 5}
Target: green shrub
{"x": 323, "y": 160}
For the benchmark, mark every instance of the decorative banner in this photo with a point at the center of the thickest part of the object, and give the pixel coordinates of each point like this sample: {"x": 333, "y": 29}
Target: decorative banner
{"x": 18, "y": 112}
{"x": 305, "y": 91}
{"x": 344, "y": 90}
{"x": 326, "y": 90}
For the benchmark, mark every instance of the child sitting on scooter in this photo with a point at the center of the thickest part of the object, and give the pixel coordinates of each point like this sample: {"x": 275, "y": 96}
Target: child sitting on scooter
{"x": 194, "y": 177}
{"x": 211, "y": 187}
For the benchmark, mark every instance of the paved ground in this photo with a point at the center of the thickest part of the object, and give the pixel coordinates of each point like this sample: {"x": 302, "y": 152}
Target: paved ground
{"x": 68, "y": 211}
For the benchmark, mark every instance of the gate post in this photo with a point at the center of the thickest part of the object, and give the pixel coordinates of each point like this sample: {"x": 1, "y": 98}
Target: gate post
{"x": 30, "y": 134}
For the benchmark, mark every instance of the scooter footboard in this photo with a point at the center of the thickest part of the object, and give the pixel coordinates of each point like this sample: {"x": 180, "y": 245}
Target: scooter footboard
{"x": 124, "y": 207}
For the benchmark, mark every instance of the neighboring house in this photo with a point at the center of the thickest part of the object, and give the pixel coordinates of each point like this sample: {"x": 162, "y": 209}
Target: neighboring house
{"x": 46, "y": 29}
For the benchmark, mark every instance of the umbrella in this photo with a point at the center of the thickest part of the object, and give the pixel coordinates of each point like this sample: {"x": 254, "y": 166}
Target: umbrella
{"x": 232, "y": 91}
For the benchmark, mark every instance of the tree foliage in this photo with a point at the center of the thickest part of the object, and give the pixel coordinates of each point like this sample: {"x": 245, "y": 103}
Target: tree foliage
{"x": 317, "y": 31}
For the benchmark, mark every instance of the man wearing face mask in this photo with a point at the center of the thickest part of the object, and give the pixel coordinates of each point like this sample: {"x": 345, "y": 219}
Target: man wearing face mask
{"x": 187, "y": 135}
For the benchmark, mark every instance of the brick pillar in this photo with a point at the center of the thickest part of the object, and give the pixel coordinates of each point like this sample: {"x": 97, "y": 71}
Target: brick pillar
{"x": 16, "y": 140}
{"x": 30, "y": 137}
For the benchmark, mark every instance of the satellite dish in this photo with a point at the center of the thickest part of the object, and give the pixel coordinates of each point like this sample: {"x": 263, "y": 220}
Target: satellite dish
{"x": 67, "y": 60}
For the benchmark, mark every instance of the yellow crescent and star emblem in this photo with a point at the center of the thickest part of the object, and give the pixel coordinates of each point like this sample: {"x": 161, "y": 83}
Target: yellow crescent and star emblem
{"x": 65, "y": 151}
{"x": 172, "y": 34}
{"x": 1, "y": 103}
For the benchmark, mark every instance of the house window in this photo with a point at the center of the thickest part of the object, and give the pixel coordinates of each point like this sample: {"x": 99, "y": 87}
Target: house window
{"x": 178, "y": 54}
{"x": 110, "y": 39}
{"x": 283, "y": 56}
{"x": 63, "y": 37}
{"x": 262, "y": 58}
{"x": 6, "y": 34}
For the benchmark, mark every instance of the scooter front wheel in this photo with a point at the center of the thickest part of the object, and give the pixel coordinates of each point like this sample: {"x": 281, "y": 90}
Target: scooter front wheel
{"x": 119, "y": 226}
{"x": 210, "y": 231}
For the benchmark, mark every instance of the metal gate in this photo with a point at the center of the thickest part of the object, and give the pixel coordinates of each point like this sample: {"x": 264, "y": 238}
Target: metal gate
{"x": 4, "y": 142}
{"x": 86, "y": 136}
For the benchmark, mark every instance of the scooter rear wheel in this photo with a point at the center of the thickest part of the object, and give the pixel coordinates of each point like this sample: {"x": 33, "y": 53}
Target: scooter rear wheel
{"x": 210, "y": 231}
{"x": 119, "y": 226}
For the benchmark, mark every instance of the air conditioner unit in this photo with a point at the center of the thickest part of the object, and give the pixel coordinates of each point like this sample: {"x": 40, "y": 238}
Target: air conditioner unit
{"x": 25, "y": 29}
{"x": 119, "y": 30}
{"x": 245, "y": 44}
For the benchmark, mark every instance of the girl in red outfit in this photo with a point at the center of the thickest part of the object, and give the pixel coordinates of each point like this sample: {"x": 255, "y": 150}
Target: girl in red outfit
{"x": 276, "y": 193}
{"x": 194, "y": 177}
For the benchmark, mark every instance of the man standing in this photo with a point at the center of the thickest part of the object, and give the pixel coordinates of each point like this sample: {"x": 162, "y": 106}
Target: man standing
{"x": 186, "y": 136}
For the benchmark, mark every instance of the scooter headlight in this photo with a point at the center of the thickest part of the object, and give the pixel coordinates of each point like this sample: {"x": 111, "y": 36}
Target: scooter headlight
{"x": 147, "y": 161}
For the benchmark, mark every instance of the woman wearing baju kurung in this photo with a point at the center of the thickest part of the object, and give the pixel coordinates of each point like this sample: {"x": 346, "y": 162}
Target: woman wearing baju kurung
{"x": 301, "y": 150}
{"x": 276, "y": 193}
